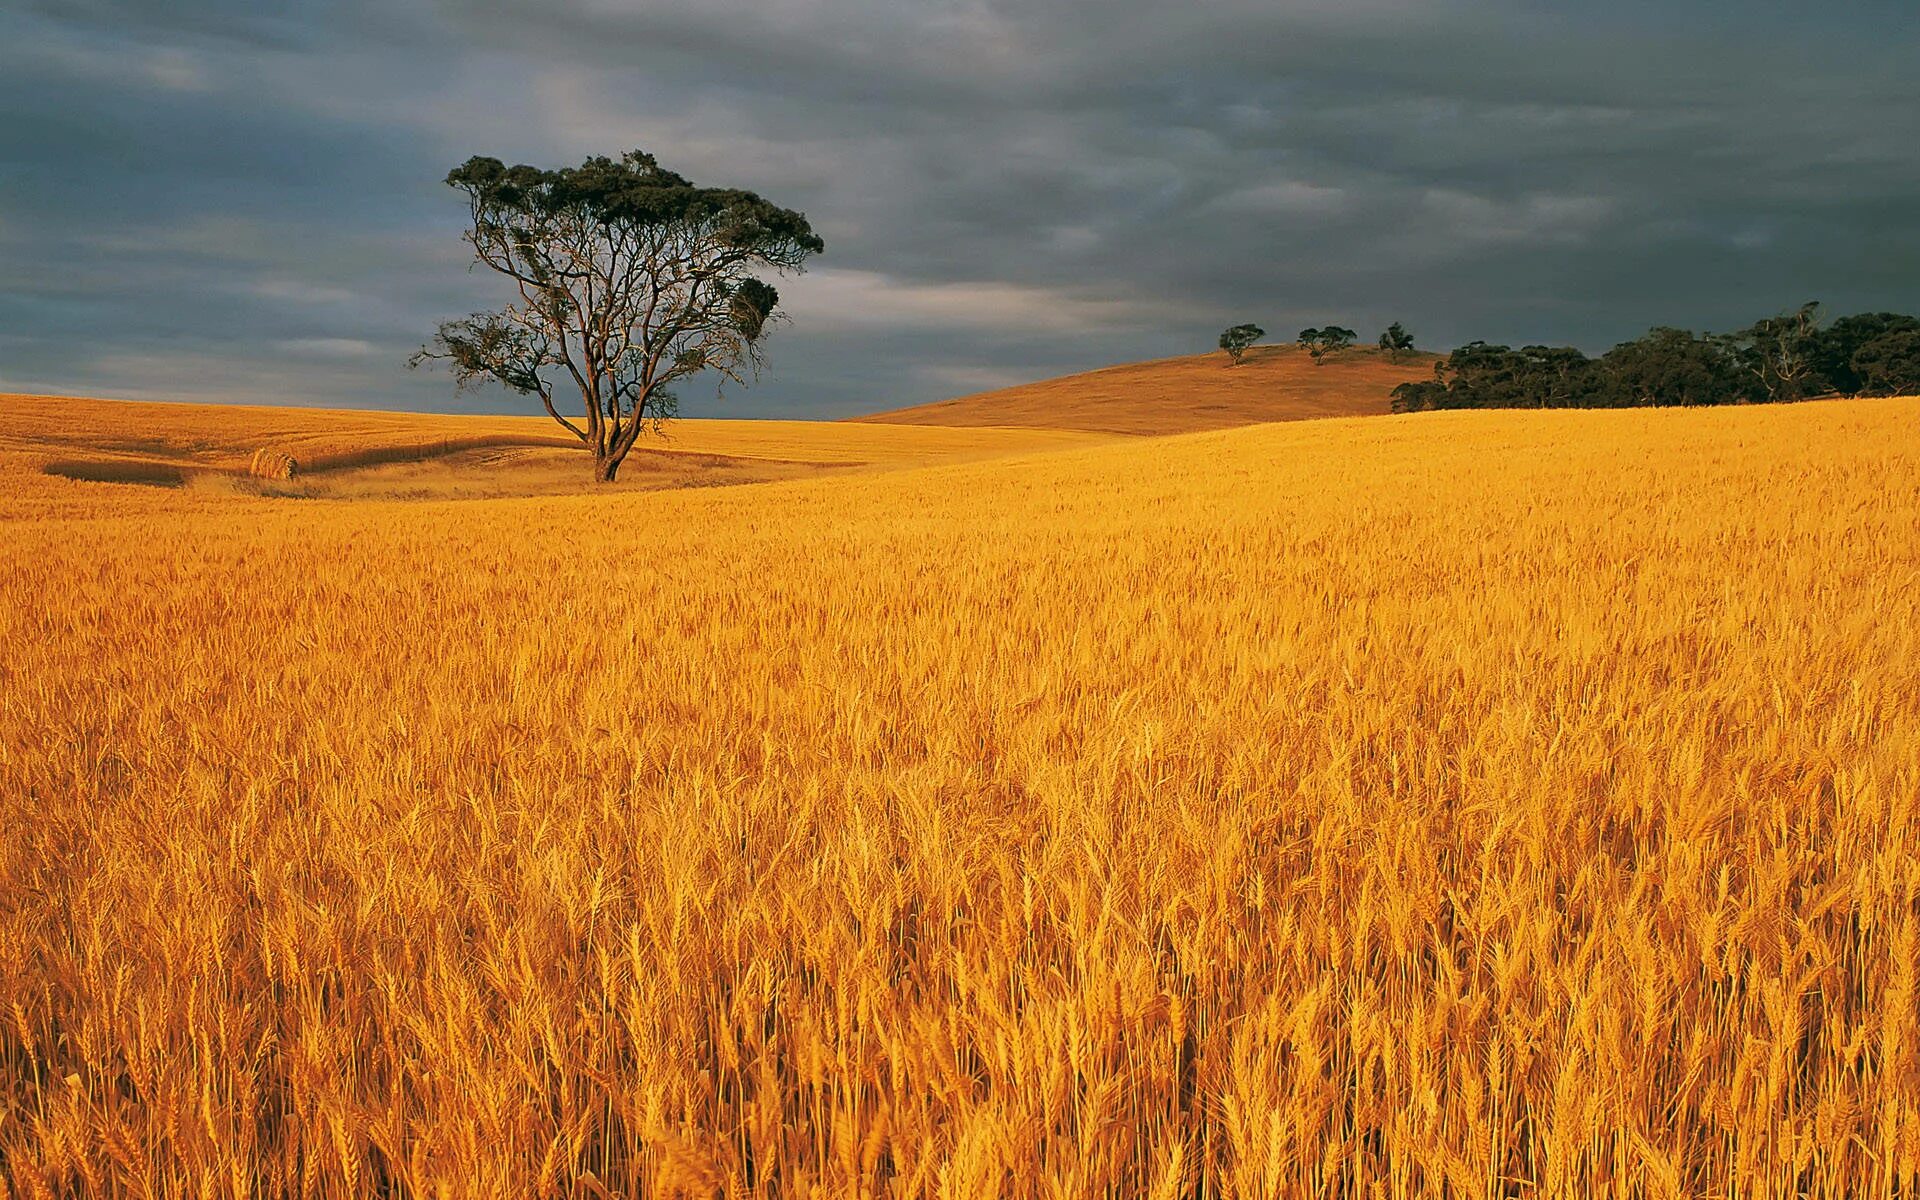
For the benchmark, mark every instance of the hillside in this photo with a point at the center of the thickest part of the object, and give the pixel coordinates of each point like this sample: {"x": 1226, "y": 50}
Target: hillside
{"x": 1185, "y": 395}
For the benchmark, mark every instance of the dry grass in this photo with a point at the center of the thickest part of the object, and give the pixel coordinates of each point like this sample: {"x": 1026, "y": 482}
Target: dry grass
{"x": 225, "y": 438}
{"x": 1468, "y": 804}
{"x": 358, "y": 455}
{"x": 489, "y": 473}
{"x": 1183, "y": 395}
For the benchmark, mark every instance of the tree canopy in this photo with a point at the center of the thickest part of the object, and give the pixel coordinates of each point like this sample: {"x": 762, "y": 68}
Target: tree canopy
{"x": 1780, "y": 358}
{"x": 1236, "y": 340}
{"x": 1838, "y": 349}
{"x": 1889, "y": 365}
{"x": 1780, "y": 352}
{"x": 1396, "y": 341}
{"x": 1327, "y": 340}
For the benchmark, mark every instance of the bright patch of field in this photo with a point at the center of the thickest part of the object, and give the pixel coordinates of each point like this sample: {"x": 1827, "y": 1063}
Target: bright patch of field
{"x": 366, "y": 455}
{"x": 1183, "y": 395}
{"x": 1472, "y": 804}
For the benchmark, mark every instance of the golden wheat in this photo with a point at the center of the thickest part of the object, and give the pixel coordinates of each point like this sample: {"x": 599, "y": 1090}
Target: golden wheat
{"x": 228, "y": 437}
{"x": 1475, "y": 804}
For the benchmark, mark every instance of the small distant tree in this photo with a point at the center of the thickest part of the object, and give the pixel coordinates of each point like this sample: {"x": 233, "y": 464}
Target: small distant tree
{"x": 1396, "y": 341}
{"x": 1236, "y": 340}
{"x": 1322, "y": 342}
{"x": 630, "y": 279}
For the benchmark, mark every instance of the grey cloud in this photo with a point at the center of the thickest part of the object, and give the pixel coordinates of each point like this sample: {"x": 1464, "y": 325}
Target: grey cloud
{"x": 195, "y": 198}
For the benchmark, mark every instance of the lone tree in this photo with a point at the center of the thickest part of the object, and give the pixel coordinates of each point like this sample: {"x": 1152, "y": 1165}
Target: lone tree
{"x": 1321, "y": 342}
{"x": 630, "y": 279}
{"x": 1396, "y": 341}
{"x": 1238, "y": 339}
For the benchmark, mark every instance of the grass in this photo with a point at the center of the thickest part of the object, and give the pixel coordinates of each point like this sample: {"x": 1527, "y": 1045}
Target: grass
{"x": 229, "y": 435}
{"x": 1183, "y": 395}
{"x": 491, "y": 472}
{"x": 373, "y": 455}
{"x": 1472, "y": 804}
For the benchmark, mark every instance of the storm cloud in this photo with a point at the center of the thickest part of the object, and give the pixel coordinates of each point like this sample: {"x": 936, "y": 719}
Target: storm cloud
{"x": 236, "y": 201}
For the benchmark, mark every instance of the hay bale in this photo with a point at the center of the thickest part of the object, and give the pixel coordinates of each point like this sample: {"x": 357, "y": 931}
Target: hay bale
{"x": 272, "y": 464}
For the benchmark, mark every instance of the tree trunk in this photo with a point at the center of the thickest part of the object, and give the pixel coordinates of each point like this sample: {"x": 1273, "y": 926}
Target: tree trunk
{"x": 605, "y": 467}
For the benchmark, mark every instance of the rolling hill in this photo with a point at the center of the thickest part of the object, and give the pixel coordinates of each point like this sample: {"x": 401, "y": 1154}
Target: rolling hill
{"x": 1185, "y": 395}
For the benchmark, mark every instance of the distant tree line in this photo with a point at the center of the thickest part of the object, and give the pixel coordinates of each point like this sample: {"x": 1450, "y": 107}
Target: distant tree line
{"x": 1781, "y": 358}
{"x": 1236, "y": 340}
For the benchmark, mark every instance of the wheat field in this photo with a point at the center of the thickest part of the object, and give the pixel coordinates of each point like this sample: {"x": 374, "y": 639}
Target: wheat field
{"x": 1468, "y": 804}
{"x": 170, "y": 444}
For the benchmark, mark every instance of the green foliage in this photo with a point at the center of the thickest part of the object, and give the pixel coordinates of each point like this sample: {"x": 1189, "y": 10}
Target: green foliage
{"x": 751, "y": 307}
{"x": 1236, "y": 340}
{"x": 1423, "y": 396}
{"x": 1889, "y": 365}
{"x": 1673, "y": 367}
{"x": 1396, "y": 341}
{"x": 1837, "y": 346}
{"x": 606, "y": 197}
{"x": 1484, "y": 375}
{"x": 1321, "y": 342}
{"x": 1779, "y": 352}
{"x": 487, "y": 347}
{"x": 1779, "y": 358}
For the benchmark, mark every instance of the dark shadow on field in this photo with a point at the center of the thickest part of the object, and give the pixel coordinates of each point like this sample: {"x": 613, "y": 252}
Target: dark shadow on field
{"x": 108, "y": 470}
{"x": 467, "y": 469}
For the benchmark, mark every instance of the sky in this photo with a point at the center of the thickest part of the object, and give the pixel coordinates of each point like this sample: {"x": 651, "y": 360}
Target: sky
{"x": 242, "y": 200}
